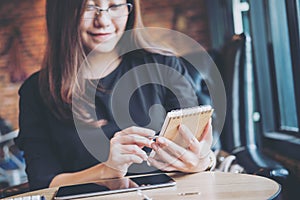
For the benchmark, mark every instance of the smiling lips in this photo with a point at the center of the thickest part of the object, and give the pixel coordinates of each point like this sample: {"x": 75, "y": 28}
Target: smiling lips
{"x": 101, "y": 37}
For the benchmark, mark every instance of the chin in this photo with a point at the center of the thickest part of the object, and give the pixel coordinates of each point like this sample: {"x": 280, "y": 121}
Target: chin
{"x": 104, "y": 49}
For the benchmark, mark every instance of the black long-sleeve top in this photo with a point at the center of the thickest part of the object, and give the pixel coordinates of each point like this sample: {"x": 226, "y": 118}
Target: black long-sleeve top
{"x": 140, "y": 87}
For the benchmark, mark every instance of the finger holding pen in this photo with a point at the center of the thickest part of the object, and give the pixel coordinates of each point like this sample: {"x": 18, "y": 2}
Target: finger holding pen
{"x": 126, "y": 148}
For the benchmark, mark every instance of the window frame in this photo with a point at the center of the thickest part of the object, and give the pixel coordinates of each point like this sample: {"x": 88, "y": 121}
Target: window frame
{"x": 284, "y": 142}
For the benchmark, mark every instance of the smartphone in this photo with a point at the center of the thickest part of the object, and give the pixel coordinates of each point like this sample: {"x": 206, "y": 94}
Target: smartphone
{"x": 111, "y": 186}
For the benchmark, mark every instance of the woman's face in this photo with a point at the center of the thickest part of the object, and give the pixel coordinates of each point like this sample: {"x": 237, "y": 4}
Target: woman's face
{"x": 103, "y": 29}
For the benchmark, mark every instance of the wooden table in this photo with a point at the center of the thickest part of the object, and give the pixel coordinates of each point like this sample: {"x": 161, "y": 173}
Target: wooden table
{"x": 205, "y": 185}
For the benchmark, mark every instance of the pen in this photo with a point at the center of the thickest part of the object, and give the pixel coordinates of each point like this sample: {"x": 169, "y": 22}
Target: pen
{"x": 153, "y": 137}
{"x": 189, "y": 193}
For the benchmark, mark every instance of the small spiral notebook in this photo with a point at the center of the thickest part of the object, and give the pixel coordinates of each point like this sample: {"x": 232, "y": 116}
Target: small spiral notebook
{"x": 195, "y": 118}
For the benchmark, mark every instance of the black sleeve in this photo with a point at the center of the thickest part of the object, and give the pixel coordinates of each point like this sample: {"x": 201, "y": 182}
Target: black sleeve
{"x": 198, "y": 82}
{"x": 41, "y": 163}
{"x": 182, "y": 93}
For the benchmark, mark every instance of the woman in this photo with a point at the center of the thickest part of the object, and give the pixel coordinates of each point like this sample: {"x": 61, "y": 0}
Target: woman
{"x": 54, "y": 152}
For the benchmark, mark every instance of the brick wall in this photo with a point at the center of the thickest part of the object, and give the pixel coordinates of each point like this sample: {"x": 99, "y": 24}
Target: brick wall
{"x": 22, "y": 38}
{"x": 22, "y": 31}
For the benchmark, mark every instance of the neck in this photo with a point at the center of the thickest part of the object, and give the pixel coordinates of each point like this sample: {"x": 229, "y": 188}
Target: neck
{"x": 100, "y": 65}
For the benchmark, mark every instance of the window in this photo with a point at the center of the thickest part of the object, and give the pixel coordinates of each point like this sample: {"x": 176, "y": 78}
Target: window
{"x": 281, "y": 65}
{"x": 272, "y": 28}
{"x": 275, "y": 40}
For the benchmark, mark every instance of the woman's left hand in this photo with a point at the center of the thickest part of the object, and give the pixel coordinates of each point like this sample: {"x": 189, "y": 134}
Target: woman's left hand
{"x": 172, "y": 157}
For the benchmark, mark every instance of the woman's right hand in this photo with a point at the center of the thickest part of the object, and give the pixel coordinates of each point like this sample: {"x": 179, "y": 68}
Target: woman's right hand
{"x": 126, "y": 149}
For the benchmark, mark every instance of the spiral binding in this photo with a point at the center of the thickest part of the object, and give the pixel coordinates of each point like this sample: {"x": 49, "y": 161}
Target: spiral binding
{"x": 179, "y": 113}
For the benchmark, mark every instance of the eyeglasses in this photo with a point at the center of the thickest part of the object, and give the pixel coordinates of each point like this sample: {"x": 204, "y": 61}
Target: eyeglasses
{"x": 114, "y": 11}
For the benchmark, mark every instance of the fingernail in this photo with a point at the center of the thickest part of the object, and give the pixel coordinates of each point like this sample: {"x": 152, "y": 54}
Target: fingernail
{"x": 182, "y": 127}
{"x": 161, "y": 140}
{"x": 152, "y": 133}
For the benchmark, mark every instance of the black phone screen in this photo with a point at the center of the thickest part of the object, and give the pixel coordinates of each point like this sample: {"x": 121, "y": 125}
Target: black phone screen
{"x": 111, "y": 186}
{"x": 151, "y": 180}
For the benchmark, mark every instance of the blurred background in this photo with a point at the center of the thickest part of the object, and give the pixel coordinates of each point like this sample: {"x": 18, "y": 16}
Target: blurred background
{"x": 254, "y": 43}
